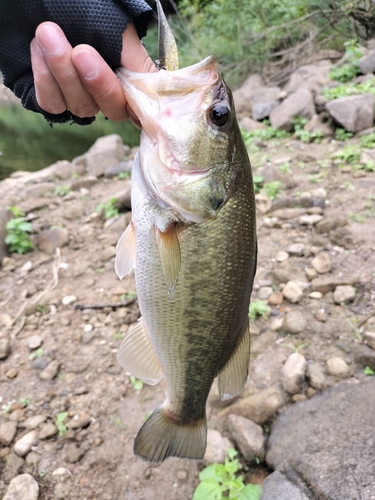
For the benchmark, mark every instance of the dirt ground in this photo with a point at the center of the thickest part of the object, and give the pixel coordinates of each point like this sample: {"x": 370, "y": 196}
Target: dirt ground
{"x": 94, "y": 459}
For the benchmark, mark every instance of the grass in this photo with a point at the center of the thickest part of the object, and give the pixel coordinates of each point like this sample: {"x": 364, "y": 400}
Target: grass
{"x": 108, "y": 208}
{"x": 63, "y": 190}
{"x": 220, "y": 481}
{"x": 61, "y": 427}
{"x": 36, "y": 354}
{"x": 272, "y": 189}
{"x": 136, "y": 383}
{"x": 17, "y": 233}
{"x": 258, "y": 309}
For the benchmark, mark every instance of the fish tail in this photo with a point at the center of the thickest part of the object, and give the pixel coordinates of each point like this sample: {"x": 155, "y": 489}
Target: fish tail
{"x": 162, "y": 436}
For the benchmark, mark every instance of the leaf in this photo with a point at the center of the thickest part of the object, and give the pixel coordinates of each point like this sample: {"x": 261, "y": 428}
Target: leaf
{"x": 208, "y": 489}
{"x": 250, "y": 492}
{"x": 231, "y": 451}
{"x": 210, "y": 473}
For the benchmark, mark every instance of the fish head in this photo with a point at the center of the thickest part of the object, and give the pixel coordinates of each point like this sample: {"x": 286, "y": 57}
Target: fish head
{"x": 187, "y": 141}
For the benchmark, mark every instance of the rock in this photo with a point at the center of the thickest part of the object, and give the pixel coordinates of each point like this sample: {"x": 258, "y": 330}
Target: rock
{"x": 329, "y": 283}
{"x": 264, "y": 292}
{"x": 34, "y": 421}
{"x": 321, "y": 315}
{"x": 5, "y": 319}
{"x": 354, "y": 113}
{"x": 34, "y": 342}
{"x": 259, "y": 407}
{"x": 311, "y": 76}
{"x": 310, "y": 220}
{"x": 344, "y": 294}
{"x": 108, "y": 253}
{"x": 330, "y": 223}
{"x": 38, "y": 190}
{"x": 243, "y": 94}
{"x": 263, "y": 341}
{"x": 299, "y": 103}
{"x": 365, "y": 356}
{"x": 47, "y": 431}
{"x": 23, "y": 445}
{"x": 81, "y": 420}
{"x": 296, "y": 249}
{"x": 50, "y": 371}
{"x": 370, "y": 339}
{"x": 322, "y": 263}
{"x": 63, "y": 169}
{"x": 277, "y": 487}
{"x": 263, "y": 102}
{"x": 68, "y": 300}
{"x": 73, "y": 453}
{"x": 275, "y": 299}
{"x": 105, "y": 151}
{"x": 118, "y": 168}
{"x": 337, "y": 367}
{"x": 33, "y": 459}
{"x": 8, "y": 431}
{"x": 311, "y": 274}
{"x": 217, "y": 447}
{"x": 248, "y": 124}
{"x": 249, "y": 437}
{"x": 292, "y": 292}
{"x": 367, "y": 63}
{"x": 85, "y": 182}
{"x": 293, "y": 373}
{"x": 317, "y": 125}
{"x": 61, "y": 491}
{"x": 282, "y": 256}
{"x": 288, "y": 213}
{"x": 315, "y": 295}
{"x": 50, "y": 239}
{"x": 287, "y": 271}
{"x": 315, "y": 375}
{"x": 123, "y": 200}
{"x": 342, "y": 237}
{"x": 22, "y": 487}
{"x": 4, "y": 348}
{"x": 294, "y": 322}
{"x": 319, "y": 442}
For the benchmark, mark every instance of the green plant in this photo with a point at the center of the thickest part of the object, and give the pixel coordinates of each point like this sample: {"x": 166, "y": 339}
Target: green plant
{"x": 368, "y": 371}
{"x": 305, "y": 135}
{"x": 347, "y": 185}
{"x": 369, "y": 166}
{"x": 257, "y": 182}
{"x": 342, "y": 135}
{"x": 258, "y": 309}
{"x": 42, "y": 473}
{"x": 118, "y": 336}
{"x": 17, "y": 233}
{"x": 357, "y": 217}
{"x": 36, "y": 354}
{"x": 61, "y": 427}
{"x": 285, "y": 168}
{"x": 348, "y": 154}
{"x": 264, "y": 134}
{"x": 368, "y": 141}
{"x": 220, "y": 481}
{"x": 16, "y": 211}
{"x": 25, "y": 402}
{"x": 272, "y": 189}
{"x": 352, "y": 323}
{"x": 63, "y": 190}
{"x": 123, "y": 176}
{"x": 295, "y": 348}
{"x": 350, "y": 68}
{"x": 136, "y": 383}
{"x": 116, "y": 420}
{"x": 42, "y": 309}
{"x": 108, "y": 208}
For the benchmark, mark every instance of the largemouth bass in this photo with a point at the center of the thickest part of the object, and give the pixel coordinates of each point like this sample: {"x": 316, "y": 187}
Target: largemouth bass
{"x": 192, "y": 243}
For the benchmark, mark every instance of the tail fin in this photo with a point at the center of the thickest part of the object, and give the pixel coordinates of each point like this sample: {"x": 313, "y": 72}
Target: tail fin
{"x": 161, "y": 437}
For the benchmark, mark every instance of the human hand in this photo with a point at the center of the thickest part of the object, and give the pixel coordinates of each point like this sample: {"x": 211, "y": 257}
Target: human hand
{"x": 79, "y": 79}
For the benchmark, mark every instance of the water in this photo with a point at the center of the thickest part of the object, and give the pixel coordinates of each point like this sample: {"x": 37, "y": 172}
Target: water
{"x": 28, "y": 143}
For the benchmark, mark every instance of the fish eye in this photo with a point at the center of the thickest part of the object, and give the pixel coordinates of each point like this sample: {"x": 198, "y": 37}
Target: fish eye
{"x": 219, "y": 115}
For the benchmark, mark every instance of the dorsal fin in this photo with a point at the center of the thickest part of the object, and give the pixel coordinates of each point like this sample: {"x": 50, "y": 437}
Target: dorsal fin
{"x": 168, "y": 52}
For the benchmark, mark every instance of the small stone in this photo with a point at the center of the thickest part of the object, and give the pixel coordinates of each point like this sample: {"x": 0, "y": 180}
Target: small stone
{"x": 296, "y": 249}
{"x": 277, "y": 487}
{"x": 293, "y": 373}
{"x": 34, "y": 342}
{"x": 4, "y": 348}
{"x": 217, "y": 447}
{"x": 311, "y": 274}
{"x": 23, "y": 445}
{"x": 33, "y": 458}
{"x": 282, "y": 256}
{"x": 275, "y": 299}
{"x": 344, "y": 294}
{"x": 365, "y": 356}
{"x": 88, "y": 328}
{"x": 248, "y": 435}
{"x": 22, "y": 487}
{"x": 33, "y": 422}
{"x": 310, "y": 220}
{"x": 322, "y": 263}
{"x": 61, "y": 471}
{"x": 81, "y": 420}
{"x": 337, "y": 367}
{"x": 73, "y": 453}
{"x": 17, "y": 415}
{"x": 321, "y": 315}
{"x": 315, "y": 375}
{"x": 47, "y": 431}
{"x": 107, "y": 254}
{"x": 327, "y": 284}
{"x": 294, "y": 322}
{"x": 331, "y": 223}
{"x": 182, "y": 475}
{"x": 8, "y": 431}
{"x": 292, "y": 292}
{"x": 5, "y": 319}
{"x": 50, "y": 239}
{"x": 370, "y": 339}
{"x": 316, "y": 295}
{"x": 12, "y": 373}
{"x": 50, "y": 371}
{"x": 68, "y": 299}
{"x": 62, "y": 491}
{"x": 264, "y": 292}
{"x": 319, "y": 193}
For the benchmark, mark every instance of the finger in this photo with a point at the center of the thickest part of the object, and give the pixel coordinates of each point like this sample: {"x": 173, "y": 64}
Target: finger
{"x": 134, "y": 56}
{"x": 48, "y": 93}
{"x": 101, "y": 82}
{"x": 57, "y": 53}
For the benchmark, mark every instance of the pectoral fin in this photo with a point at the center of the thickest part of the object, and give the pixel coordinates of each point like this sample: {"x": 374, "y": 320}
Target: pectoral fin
{"x": 232, "y": 377}
{"x": 170, "y": 255}
{"x": 125, "y": 252}
{"x": 137, "y": 356}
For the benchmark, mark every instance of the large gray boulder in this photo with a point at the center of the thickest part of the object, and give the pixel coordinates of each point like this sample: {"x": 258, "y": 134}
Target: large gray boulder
{"x": 367, "y": 63}
{"x": 243, "y": 94}
{"x": 354, "y": 113}
{"x": 298, "y": 104}
{"x": 311, "y": 77}
{"x": 328, "y": 443}
{"x": 277, "y": 487}
{"x": 264, "y": 101}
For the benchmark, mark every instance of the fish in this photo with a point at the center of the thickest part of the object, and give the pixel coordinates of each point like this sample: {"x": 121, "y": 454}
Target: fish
{"x": 192, "y": 243}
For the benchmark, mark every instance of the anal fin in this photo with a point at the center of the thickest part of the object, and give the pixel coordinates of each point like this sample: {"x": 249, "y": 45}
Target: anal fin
{"x": 137, "y": 356}
{"x": 170, "y": 255}
{"x": 232, "y": 377}
{"x": 125, "y": 252}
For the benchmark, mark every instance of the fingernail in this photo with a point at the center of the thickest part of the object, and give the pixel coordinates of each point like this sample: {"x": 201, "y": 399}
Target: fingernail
{"x": 87, "y": 64}
{"x": 50, "y": 40}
